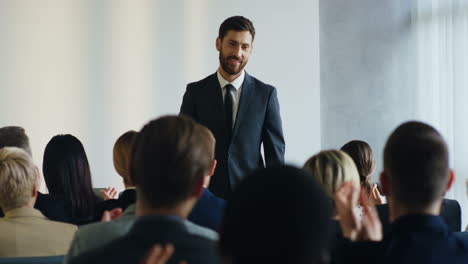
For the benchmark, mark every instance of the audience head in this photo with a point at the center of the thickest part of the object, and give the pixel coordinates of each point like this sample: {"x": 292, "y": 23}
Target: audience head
{"x": 18, "y": 178}
{"x": 416, "y": 166}
{"x": 66, "y": 171}
{"x": 276, "y": 215}
{"x": 332, "y": 168}
{"x": 363, "y": 157}
{"x": 14, "y": 136}
{"x": 170, "y": 158}
{"x": 121, "y": 155}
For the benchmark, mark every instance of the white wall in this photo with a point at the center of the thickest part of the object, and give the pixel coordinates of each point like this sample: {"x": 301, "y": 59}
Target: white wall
{"x": 98, "y": 68}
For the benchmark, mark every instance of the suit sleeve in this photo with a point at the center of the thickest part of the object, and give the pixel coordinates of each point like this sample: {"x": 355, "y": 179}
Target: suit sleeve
{"x": 188, "y": 104}
{"x": 272, "y": 134}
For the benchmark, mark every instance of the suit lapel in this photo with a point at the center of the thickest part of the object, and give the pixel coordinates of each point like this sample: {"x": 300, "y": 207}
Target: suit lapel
{"x": 244, "y": 102}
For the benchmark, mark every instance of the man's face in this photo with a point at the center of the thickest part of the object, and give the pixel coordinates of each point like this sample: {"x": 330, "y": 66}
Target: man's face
{"x": 234, "y": 51}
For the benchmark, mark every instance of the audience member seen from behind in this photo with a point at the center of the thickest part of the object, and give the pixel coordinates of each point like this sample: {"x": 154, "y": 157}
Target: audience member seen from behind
{"x": 67, "y": 174}
{"x": 288, "y": 222}
{"x": 363, "y": 157}
{"x": 170, "y": 159}
{"x": 25, "y": 232}
{"x": 14, "y": 136}
{"x": 415, "y": 177}
{"x": 121, "y": 157}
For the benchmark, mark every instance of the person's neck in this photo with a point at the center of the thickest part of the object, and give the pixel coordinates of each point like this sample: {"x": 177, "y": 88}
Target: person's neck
{"x": 227, "y": 76}
{"x": 30, "y": 205}
{"x": 397, "y": 210}
{"x": 182, "y": 210}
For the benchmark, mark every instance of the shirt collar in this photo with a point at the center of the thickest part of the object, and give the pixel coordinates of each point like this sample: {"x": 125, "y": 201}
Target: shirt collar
{"x": 237, "y": 83}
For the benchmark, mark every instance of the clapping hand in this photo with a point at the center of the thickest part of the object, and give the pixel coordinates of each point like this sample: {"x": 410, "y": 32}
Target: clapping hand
{"x": 109, "y": 193}
{"x": 347, "y": 198}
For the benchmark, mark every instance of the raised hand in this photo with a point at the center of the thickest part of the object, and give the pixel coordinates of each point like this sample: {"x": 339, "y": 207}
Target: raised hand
{"x": 109, "y": 193}
{"x": 346, "y": 202}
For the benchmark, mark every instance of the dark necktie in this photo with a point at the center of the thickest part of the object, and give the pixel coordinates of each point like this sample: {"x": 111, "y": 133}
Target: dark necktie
{"x": 228, "y": 103}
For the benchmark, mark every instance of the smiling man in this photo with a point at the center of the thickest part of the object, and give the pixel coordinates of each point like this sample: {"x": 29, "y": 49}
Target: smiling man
{"x": 241, "y": 111}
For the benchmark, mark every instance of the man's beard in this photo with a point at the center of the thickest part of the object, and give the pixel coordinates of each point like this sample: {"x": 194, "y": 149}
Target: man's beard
{"x": 224, "y": 61}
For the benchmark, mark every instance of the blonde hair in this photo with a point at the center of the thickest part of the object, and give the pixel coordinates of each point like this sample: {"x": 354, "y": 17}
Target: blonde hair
{"x": 18, "y": 175}
{"x": 121, "y": 155}
{"x": 332, "y": 168}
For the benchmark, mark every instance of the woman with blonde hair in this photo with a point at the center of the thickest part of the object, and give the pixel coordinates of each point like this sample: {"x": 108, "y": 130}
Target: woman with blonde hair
{"x": 332, "y": 168}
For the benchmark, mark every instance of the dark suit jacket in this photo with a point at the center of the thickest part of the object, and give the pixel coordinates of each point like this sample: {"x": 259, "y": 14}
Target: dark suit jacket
{"x": 450, "y": 213}
{"x": 150, "y": 230}
{"x": 125, "y": 199}
{"x": 258, "y": 121}
{"x": 208, "y": 211}
{"x": 56, "y": 208}
{"x": 413, "y": 239}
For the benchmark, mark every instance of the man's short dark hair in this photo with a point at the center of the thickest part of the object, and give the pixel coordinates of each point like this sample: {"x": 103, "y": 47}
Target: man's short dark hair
{"x": 236, "y": 23}
{"x": 169, "y": 157}
{"x": 14, "y": 136}
{"x": 416, "y": 163}
{"x": 276, "y": 215}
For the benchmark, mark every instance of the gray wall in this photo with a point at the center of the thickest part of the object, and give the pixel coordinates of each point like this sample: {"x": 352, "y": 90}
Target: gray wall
{"x": 367, "y": 70}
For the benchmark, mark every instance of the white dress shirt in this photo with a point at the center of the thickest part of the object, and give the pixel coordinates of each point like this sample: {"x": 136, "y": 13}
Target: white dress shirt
{"x": 236, "y": 92}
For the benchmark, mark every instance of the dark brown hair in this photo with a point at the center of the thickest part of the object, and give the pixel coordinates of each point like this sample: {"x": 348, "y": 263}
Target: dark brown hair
{"x": 14, "y": 136}
{"x": 170, "y": 156}
{"x": 236, "y": 23}
{"x": 417, "y": 165}
{"x": 363, "y": 157}
{"x": 121, "y": 155}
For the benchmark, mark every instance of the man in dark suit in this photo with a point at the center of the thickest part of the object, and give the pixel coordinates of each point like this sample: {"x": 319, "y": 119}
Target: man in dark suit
{"x": 241, "y": 111}
{"x": 170, "y": 159}
{"x": 415, "y": 177}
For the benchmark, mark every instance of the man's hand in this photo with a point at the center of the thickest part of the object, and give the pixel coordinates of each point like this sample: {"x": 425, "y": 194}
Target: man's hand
{"x": 160, "y": 254}
{"x": 108, "y": 216}
{"x": 346, "y": 201}
{"x": 109, "y": 193}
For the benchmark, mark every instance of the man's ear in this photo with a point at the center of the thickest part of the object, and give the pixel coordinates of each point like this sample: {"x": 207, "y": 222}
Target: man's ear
{"x": 213, "y": 167}
{"x": 207, "y": 177}
{"x": 37, "y": 182}
{"x": 218, "y": 43}
{"x": 384, "y": 183}
{"x": 451, "y": 179}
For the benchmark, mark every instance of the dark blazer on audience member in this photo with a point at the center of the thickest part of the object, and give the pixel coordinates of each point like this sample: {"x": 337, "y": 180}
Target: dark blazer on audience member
{"x": 258, "y": 121}
{"x": 126, "y": 198}
{"x": 150, "y": 230}
{"x": 413, "y": 239}
{"x": 208, "y": 211}
{"x": 450, "y": 213}
{"x": 55, "y": 208}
